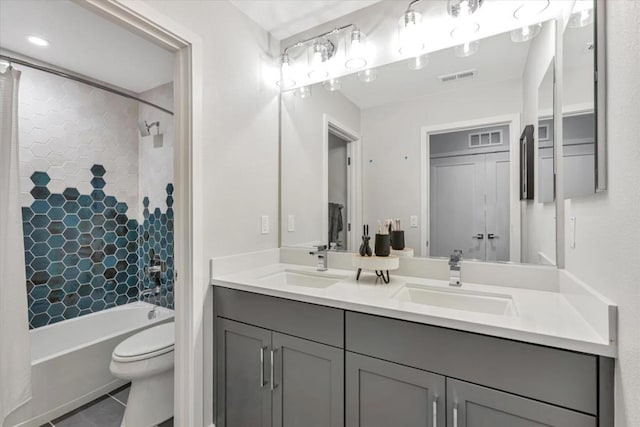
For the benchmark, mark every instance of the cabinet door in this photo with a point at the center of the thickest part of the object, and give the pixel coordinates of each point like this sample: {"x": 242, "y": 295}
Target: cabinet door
{"x": 469, "y": 405}
{"x": 308, "y": 383}
{"x": 385, "y": 394}
{"x": 244, "y": 397}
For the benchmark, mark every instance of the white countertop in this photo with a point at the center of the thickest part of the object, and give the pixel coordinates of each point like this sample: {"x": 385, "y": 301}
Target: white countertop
{"x": 543, "y": 317}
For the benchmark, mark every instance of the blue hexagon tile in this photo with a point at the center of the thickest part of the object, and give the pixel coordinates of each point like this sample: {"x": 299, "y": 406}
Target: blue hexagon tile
{"x": 81, "y": 251}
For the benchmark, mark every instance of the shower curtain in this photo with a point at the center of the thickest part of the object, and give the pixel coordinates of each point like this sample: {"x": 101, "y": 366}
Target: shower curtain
{"x": 15, "y": 348}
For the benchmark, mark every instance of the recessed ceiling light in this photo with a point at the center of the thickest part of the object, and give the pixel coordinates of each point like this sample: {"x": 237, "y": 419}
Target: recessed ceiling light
{"x": 38, "y": 41}
{"x": 531, "y": 8}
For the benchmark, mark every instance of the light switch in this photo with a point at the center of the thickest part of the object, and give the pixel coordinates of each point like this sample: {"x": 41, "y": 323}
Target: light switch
{"x": 291, "y": 223}
{"x": 414, "y": 221}
{"x": 265, "y": 224}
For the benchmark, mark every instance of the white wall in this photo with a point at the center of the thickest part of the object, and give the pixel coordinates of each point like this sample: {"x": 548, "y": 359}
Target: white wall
{"x": 156, "y": 163}
{"x": 607, "y": 252}
{"x": 391, "y": 146}
{"x": 302, "y": 145}
{"x": 240, "y": 145}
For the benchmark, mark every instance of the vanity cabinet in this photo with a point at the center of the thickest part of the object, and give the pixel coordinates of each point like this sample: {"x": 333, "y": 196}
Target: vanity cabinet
{"x": 268, "y": 378}
{"x": 381, "y": 393}
{"x": 470, "y": 405}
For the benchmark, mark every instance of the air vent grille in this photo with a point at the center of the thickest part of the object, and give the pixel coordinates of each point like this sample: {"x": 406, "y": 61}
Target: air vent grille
{"x": 457, "y": 76}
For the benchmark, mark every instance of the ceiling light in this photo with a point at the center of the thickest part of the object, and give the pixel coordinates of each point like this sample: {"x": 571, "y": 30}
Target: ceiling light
{"x": 38, "y": 41}
{"x": 467, "y": 49}
{"x": 368, "y": 75}
{"x": 410, "y": 33}
{"x": 525, "y": 33}
{"x": 319, "y": 54}
{"x": 418, "y": 62}
{"x": 531, "y": 8}
{"x": 356, "y": 50}
{"x": 286, "y": 79}
{"x": 303, "y": 92}
{"x": 332, "y": 85}
{"x": 465, "y": 31}
{"x": 463, "y": 8}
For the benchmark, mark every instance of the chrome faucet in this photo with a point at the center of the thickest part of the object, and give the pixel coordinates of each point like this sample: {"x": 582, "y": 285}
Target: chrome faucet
{"x": 455, "y": 264}
{"x": 321, "y": 252}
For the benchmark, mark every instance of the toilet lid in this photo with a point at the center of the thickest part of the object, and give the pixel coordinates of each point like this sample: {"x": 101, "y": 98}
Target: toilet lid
{"x": 155, "y": 340}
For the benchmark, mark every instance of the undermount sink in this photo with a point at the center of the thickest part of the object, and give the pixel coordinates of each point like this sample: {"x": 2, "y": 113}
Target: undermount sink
{"x": 458, "y": 299}
{"x": 299, "y": 278}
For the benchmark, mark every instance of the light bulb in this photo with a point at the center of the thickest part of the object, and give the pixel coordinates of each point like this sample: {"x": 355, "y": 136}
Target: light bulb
{"x": 286, "y": 79}
{"x": 410, "y": 33}
{"x": 321, "y": 51}
{"x": 357, "y": 51}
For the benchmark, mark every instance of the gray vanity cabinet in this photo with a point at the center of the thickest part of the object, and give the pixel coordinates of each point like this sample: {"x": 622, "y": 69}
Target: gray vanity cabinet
{"x": 308, "y": 383}
{"x": 470, "y": 405}
{"x": 385, "y": 394}
{"x": 244, "y": 396}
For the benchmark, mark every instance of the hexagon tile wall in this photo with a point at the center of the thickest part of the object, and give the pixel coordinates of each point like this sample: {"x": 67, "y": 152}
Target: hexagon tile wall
{"x": 84, "y": 254}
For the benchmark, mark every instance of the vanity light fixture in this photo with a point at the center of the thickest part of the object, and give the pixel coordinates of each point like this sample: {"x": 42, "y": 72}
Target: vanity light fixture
{"x": 368, "y": 75}
{"x": 463, "y": 8}
{"x": 582, "y": 17}
{"x": 332, "y": 84}
{"x": 418, "y": 62}
{"x": 38, "y": 41}
{"x": 286, "y": 81}
{"x": 531, "y": 8}
{"x": 526, "y": 33}
{"x": 319, "y": 55}
{"x": 410, "y": 33}
{"x": 356, "y": 50}
{"x": 467, "y": 48}
{"x": 303, "y": 92}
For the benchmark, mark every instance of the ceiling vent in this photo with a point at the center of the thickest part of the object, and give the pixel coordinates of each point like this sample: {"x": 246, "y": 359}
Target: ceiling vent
{"x": 458, "y": 76}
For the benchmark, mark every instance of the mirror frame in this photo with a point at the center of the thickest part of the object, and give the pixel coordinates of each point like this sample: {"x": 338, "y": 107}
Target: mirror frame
{"x": 600, "y": 82}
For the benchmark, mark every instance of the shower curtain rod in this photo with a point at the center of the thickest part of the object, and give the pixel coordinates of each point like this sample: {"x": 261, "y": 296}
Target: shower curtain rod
{"x": 79, "y": 79}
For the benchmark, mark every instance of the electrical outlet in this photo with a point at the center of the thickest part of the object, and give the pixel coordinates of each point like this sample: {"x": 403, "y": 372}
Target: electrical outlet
{"x": 291, "y": 223}
{"x": 265, "y": 224}
{"x": 414, "y": 221}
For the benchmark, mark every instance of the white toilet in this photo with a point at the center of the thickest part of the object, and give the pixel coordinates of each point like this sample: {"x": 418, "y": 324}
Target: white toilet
{"x": 146, "y": 359}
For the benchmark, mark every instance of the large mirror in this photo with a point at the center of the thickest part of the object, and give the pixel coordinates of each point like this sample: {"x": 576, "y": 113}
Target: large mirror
{"x": 435, "y": 142}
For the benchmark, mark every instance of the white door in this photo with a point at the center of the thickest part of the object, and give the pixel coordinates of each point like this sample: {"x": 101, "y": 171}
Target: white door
{"x": 469, "y": 206}
{"x": 457, "y": 206}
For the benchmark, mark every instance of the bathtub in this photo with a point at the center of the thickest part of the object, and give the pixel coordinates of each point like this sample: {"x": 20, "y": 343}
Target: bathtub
{"x": 70, "y": 360}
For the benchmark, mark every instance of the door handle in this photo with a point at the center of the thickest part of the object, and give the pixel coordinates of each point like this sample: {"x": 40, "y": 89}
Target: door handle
{"x": 262, "y": 383}
{"x": 435, "y": 411}
{"x": 478, "y": 236}
{"x": 273, "y": 384}
{"x": 491, "y": 236}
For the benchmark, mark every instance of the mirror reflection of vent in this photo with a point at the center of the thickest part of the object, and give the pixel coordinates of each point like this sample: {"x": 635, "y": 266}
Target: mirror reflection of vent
{"x": 457, "y": 76}
{"x": 483, "y": 139}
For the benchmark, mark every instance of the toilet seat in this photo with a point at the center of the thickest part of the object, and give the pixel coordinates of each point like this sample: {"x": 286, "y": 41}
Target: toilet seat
{"x": 152, "y": 342}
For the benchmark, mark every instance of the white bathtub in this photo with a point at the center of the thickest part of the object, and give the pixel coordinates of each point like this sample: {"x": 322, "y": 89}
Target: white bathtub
{"x": 70, "y": 360}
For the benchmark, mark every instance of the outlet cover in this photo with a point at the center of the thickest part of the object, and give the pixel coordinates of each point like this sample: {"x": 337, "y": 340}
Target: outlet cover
{"x": 265, "y": 224}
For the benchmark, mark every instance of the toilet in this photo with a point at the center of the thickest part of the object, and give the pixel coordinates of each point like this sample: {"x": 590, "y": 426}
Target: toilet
{"x": 146, "y": 359}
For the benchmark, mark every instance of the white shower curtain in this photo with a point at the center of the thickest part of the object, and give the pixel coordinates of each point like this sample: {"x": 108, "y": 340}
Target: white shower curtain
{"x": 15, "y": 348}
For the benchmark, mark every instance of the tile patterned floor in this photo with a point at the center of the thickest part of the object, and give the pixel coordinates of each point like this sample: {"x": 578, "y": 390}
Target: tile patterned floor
{"x": 106, "y": 411}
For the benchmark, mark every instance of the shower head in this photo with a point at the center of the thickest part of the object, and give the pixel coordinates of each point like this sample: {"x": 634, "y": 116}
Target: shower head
{"x": 145, "y": 127}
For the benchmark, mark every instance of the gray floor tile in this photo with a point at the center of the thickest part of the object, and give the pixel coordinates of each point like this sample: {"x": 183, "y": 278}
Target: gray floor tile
{"x": 123, "y": 394}
{"x": 168, "y": 423}
{"x": 104, "y": 412}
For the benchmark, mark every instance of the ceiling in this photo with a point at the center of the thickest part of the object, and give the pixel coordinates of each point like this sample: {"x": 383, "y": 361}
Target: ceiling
{"x": 285, "y": 18}
{"x": 498, "y": 60}
{"x": 85, "y": 43}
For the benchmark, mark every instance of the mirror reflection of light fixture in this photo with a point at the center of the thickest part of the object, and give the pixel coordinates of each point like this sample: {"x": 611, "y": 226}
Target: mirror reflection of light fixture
{"x": 467, "y": 48}
{"x": 356, "y": 50}
{"x": 332, "y": 84}
{"x": 531, "y": 8}
{"x": 368, "y": 75}
{"x": 418, "y": 62}
{"x": 410, "y": 33}
{"x": 286, "y": 79}
{"x": 525, "y": 33}
{"x": 582, "y": 18}
{"x": 463, "y": 8}
{"x": 303, "y": 92}
{"x": 319, "y": 55}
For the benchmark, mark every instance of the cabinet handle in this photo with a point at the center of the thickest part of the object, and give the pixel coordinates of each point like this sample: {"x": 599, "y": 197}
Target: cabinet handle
{"x": 262, "y": 383}
{"x": 273, "y": 385}
{"x": 435, "y": 411}
{"x": 455, "y": 416}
